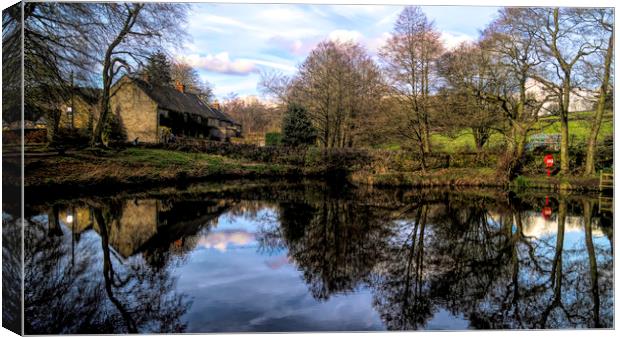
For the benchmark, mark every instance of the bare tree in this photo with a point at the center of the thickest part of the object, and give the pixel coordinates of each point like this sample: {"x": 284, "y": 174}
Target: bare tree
{"x": 341, "y": 87}
{"x": 409, "y": 57}
{"x": 512, "y": 45}
{"x": 188, "y": 76}
{"x": 460, "y": 105}
{"x": 562, "y": 43}
{"x": 602, "y": 22}
{"x": 58, "y": 47}
{"x": 276, "y": 85}
{"x": 130, "y": 32}
{"x": 255, "y": 116}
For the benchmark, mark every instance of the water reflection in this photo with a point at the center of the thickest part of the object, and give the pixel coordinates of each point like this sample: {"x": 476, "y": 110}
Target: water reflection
{"x": 307, "y": 257}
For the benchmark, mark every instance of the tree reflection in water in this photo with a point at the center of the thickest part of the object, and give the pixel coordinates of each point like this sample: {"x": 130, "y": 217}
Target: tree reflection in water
{"x": 87, "y": 287}
{"x": 478, "y": 257}
{"x": 485, "y": 256}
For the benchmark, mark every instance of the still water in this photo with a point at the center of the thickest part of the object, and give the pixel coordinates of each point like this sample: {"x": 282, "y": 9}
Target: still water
{"x": 306, "y": 257}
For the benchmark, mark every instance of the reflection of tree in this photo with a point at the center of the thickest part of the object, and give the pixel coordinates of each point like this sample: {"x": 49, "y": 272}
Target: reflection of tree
{"x": 59, "y": 297}
{"x": 63, "y": 295}
{"x": 475, "y": 255}
{"x": 401, "y": 287}
{"x": 596, "y": 303}
{"x": 340, "y": 245}
{"x": 527, "y": 282}
{"x": 335, "y": 242}
{"x": 11, "y": 270}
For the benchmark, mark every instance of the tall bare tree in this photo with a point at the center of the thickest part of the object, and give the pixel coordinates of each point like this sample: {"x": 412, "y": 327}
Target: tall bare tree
{"x": 129, "y": 33}
{"x": 408, "y": 58}
{"x": 340, "y": 86}
{"x": 512, "y": 46}
{"x": 464, "y": 70}
{"x": 601, "y": 21}
{"x": 58, "y": 47}
{"x": 562, "y": 44}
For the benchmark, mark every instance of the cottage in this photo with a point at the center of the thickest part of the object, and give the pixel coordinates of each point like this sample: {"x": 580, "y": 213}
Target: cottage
{"x": 78, "y": 111}
{"x": 154, "y": 113}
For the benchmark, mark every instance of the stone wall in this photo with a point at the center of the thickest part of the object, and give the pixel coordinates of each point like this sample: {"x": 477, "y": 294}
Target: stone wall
{"x": 83, "y": 112}
{"x": 136, "y": 111}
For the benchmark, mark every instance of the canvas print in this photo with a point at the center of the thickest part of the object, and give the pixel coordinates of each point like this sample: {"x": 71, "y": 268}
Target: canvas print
{"x": 230, "y": 167}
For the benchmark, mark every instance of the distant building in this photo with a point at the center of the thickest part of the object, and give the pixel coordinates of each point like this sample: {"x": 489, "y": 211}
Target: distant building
{"x": 154, "y": 113}
{"x": 580, "y": 99}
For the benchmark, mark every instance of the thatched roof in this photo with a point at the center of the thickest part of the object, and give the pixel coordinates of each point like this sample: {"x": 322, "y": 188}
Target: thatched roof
{"x": 171, "y": 99}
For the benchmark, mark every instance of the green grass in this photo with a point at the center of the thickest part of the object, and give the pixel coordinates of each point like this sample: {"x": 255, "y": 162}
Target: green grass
{"x": 463, "y": 141}
{"x": 578, "y": 127}
{"x": 165, "y": 158}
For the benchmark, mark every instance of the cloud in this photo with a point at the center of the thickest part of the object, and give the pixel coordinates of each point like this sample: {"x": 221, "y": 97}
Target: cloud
{"x": 343, "y": 35}
{"x": 276, "y": 65}
{"x": 452, "y": 40}
{"x": 375, "y": 43}
{"x": 220, "y": 63}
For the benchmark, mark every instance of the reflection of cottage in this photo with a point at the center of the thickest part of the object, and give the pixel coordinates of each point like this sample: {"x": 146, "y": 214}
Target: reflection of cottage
{"x": 143, "y": 225}
{"x": 151, "y": 113}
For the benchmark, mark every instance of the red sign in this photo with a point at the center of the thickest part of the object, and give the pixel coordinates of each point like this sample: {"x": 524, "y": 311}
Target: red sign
{"x": 549, "y": 160}
{"x": 549, "y": 163}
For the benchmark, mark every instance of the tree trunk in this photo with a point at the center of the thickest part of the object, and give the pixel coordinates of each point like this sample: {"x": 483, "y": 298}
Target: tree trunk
{"x": 427, "y": 134}
{"x": 515, "y": 151}
{"x": 600, "y": 109}
{"x": 564, "y": 106}
{"x": 108, "y": 74}
{"x": 564, "y": 167}
{"x": 97, "y": 138}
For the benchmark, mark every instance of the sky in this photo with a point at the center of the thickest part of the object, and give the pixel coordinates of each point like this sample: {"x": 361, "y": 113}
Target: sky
{"x": 231, "y": 44}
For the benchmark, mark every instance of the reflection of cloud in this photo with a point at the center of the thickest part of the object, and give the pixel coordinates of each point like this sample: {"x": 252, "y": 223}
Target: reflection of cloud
{"x": 221, "y": 240}
{"x": 220, "y": 63}
{"x": 535, "y": 225}
{"x": 278, "y": 262}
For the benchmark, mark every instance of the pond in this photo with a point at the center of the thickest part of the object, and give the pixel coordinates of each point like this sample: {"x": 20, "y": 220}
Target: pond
{"x": 282, "y": 256}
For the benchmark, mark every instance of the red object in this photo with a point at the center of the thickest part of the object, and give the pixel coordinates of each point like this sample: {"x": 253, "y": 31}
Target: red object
{"x": 546, "y": 212}
{"x": 549, "y": 163}
{"x": 549, "y": 160}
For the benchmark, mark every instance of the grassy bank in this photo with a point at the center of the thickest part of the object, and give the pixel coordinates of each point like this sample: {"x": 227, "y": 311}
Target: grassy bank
{"x": 147, "y": 167}
{"x": 139, "y": 166}
{"x": 479, "y": 177}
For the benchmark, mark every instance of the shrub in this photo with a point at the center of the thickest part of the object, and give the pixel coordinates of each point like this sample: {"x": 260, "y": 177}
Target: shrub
{"x": 273, "y": 138}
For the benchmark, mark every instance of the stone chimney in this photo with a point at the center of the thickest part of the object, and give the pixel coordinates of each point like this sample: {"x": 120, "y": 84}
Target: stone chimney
{"x": 215, "y": 105}
{"x": 180, "y": 86}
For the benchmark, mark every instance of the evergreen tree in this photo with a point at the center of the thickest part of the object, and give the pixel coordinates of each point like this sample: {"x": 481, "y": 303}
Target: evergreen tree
{"x": 297, "y": 129}
{"x": 158, "y": 69}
